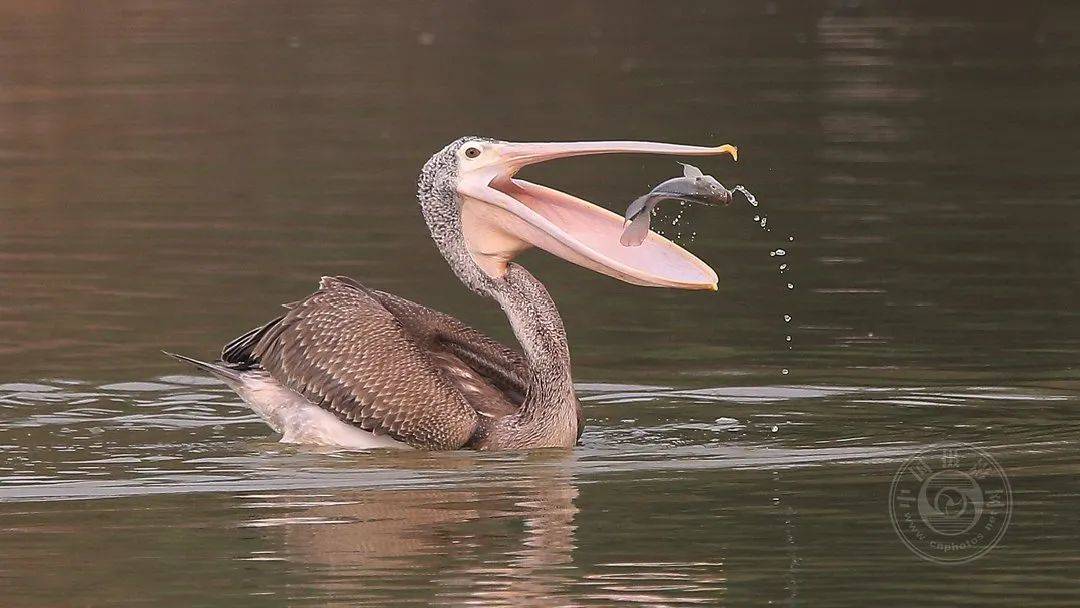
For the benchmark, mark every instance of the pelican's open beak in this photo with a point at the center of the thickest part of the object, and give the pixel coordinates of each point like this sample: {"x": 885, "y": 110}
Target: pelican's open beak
{"x": 502, "y": 216}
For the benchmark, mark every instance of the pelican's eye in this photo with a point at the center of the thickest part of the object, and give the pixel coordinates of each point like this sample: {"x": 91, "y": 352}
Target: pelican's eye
{"x": 472, "y": 152}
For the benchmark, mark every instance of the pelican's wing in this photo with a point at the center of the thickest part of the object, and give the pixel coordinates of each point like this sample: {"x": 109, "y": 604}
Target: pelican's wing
{"x": 343, "y": 350}
{"x": 495, "y": 365}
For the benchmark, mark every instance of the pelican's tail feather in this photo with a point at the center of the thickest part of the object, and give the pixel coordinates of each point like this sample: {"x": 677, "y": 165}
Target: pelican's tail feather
{"x": 230, "y": 376}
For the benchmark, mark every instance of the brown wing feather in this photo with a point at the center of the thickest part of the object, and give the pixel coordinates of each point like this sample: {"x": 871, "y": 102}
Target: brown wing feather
{"x": 345, "y": 351}
{"x": 501, "y": 367}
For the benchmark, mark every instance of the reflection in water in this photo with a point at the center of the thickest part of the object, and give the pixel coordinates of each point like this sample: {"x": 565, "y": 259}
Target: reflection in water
{"x": 525, "y": 528}
{"x": 510, "y": 544}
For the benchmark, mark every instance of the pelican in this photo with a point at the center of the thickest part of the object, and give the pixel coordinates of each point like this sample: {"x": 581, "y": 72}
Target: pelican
{"x": 354, "y": 367}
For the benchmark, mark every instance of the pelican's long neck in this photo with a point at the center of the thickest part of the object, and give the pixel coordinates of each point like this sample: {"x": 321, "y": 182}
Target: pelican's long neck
{"x": 550, "y": 415}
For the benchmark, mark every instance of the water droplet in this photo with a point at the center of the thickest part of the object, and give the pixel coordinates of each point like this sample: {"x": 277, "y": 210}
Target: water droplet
{"x": 785, "y": 371}
{"x": 780, "y": 252}
{"x": 783, "y": 267}
{"x": 757, "y": 217}
{"x": 791, "y": 238}
{"x": 787, "y": 338}
{"x": 763, "y": 221}
{"x": 791, "y": 286}
{"x": 746, "y": 193}
{"x": 775, "y": 428}
{"x": 787, "y": 318}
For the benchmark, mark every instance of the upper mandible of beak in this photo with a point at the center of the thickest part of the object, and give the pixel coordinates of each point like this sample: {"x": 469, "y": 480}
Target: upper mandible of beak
{"x": 517, "y": 155}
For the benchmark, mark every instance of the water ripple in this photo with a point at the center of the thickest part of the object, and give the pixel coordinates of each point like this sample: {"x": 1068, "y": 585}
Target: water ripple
{"x": 207, "y": 441}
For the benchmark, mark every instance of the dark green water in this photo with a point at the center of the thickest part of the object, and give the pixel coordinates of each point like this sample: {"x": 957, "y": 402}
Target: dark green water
{"x": 171, "y": 171}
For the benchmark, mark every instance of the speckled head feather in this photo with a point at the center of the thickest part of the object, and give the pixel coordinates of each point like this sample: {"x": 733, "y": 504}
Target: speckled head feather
{"x": 441, "y": 206}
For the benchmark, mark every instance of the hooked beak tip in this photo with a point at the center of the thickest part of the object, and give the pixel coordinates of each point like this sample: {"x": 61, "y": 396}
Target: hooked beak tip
{"x": 714, "y": 287}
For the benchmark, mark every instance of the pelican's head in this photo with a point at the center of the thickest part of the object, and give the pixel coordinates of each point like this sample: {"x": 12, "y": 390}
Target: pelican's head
{"x": 481, "y": 217}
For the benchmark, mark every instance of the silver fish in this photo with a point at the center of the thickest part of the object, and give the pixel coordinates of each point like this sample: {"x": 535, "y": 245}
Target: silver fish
{"x": 693, "y": 187}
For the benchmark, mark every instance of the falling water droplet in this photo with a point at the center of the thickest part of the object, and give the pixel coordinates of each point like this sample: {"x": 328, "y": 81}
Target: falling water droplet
{"x": 746, "y": 193}
{"x": 762, "y": 219}
{"x": 775, "y": 428}
{"x": 785, "y": 371}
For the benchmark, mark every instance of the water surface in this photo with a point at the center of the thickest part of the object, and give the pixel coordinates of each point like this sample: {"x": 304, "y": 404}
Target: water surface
{"x": 170, "y": 173}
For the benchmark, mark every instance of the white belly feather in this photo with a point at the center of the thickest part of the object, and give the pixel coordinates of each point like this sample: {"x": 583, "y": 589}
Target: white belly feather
{"x": 300, "y": 421}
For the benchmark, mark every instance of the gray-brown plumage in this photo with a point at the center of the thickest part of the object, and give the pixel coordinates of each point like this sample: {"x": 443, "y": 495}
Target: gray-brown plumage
{"x": 388, "y": 365}
{"x": 345, "y": 352}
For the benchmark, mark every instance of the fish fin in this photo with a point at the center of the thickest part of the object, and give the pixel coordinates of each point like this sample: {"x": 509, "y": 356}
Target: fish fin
{"x": 636, "y": 207}
{"x": 691, "y": 171}
{"x": 635, "y": 233}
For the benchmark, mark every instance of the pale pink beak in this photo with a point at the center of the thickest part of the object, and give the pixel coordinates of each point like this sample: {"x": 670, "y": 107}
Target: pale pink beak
{"x": 502, "y": 216}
